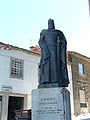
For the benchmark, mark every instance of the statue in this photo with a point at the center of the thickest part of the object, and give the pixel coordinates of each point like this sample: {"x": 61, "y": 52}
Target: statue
{"x": 53, "y": 63}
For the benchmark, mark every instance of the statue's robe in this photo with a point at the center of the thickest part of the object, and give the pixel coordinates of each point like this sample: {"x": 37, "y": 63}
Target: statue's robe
{"x": 53, "y": 67}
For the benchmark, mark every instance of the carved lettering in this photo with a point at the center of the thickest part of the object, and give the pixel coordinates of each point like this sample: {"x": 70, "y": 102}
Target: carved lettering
{"x": 48, "y": 106}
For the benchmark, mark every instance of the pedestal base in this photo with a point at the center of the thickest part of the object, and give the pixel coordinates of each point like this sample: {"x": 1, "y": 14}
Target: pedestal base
{"x": 52, "y": 85}
{"x": 51, "y": 104}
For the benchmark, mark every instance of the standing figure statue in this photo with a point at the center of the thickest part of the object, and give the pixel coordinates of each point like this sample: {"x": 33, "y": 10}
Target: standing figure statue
{"x": 53, "y": 63}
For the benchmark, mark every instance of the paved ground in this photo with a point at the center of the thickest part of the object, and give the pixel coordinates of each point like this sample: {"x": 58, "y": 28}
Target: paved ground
{"x": 83, "y": 117}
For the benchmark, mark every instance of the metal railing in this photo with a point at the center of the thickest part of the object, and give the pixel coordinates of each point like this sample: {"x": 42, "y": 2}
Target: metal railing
{"x": 23, "y": 114}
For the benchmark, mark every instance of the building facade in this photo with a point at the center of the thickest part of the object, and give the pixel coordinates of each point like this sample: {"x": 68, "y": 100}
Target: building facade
{"x": 80, "y": 82}
{"x": 18, "y": 76}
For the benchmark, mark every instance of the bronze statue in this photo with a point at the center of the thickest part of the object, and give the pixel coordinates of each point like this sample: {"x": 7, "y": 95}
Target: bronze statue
{"x": 53, "y": 64}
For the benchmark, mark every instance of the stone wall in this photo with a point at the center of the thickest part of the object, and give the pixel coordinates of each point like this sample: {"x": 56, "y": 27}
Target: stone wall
{"x": 81, "y": 82}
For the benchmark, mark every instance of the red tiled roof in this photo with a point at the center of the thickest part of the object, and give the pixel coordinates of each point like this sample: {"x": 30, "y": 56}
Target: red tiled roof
{"x": 6, "y": 47}
{"x": 36, "y": 48}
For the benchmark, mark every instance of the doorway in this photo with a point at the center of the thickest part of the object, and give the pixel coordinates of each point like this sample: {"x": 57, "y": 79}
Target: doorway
{"x": 15, "y": 103}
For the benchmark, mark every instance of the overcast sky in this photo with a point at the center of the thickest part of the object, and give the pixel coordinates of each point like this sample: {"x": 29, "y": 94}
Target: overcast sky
{"x": 21, "y": 22}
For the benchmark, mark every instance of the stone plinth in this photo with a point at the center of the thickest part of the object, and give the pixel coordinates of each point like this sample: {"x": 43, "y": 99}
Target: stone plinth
{"x": 51, "y": 104}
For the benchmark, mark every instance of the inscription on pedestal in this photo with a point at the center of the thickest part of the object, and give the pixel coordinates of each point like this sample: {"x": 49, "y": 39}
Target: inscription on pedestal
{"x": 48, "y": 104}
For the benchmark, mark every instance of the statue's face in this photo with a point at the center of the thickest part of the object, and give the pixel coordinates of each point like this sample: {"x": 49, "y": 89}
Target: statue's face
{"x": 51, "y": 24}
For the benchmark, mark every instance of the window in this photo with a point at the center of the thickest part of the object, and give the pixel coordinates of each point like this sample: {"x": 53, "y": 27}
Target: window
{"x": 82, "y": 97}
{"x": 16, "y": 68}
{"x": 81, "y": 69}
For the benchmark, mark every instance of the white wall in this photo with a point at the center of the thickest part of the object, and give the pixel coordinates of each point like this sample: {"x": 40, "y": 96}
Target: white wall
{"x": 70, "y": 87}
{"x": 30, "y": 80}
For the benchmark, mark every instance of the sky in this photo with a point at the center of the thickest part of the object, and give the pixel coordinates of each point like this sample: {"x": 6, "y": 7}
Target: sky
{"x": 21, "y": 22}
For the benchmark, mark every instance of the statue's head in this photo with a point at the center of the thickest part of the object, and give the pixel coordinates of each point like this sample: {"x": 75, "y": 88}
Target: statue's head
{"x": 51, "y": 24}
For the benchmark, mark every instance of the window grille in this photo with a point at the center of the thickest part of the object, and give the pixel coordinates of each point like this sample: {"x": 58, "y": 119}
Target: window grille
{"x": 16, "y": 68}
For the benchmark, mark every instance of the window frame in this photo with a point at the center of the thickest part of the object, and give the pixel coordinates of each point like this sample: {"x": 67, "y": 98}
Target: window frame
{"x": 81, "y": 69}
{"x": 83, "y": 103}
{"x": 19, "y": 70}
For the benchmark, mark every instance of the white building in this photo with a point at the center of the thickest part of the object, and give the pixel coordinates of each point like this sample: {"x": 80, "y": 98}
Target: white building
{"x": 18, "y": 76}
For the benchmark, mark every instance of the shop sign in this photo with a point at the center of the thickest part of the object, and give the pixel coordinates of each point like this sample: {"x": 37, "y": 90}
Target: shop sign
{"x": 6, "y": 88}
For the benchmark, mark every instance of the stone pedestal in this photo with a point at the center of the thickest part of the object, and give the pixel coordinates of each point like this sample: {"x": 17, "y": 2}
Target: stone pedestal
{"x": 51, "y": 104}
